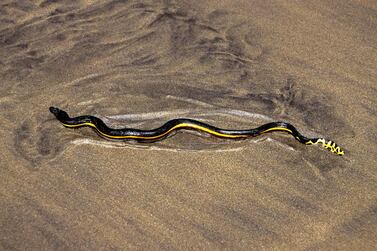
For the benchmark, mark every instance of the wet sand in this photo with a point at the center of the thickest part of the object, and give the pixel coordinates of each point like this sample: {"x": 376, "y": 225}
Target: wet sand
{"x": 234, "y": 64}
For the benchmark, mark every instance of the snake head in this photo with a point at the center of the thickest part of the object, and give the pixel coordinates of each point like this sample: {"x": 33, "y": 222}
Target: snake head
{"x": 59, "y": 114}
{"x": 54, "y": 110}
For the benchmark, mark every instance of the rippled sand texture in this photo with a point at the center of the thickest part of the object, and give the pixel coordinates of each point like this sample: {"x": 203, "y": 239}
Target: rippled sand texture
{"x": 235, "y": 64}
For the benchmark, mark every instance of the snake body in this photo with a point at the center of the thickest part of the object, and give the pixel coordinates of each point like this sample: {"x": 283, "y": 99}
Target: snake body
{"x": 185, "y": 123}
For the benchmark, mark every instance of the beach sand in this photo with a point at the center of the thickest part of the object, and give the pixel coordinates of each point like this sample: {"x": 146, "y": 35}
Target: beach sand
{"x": 234, "y": 64}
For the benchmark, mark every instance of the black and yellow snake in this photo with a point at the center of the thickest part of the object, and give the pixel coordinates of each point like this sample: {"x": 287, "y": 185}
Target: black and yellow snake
{"x": 184, "y": 123}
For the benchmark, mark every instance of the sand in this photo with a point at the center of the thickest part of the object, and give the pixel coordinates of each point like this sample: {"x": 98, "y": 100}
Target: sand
{"x": 234, "y": 64}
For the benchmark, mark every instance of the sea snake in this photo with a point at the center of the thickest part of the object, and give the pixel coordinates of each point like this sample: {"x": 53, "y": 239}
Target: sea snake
{"x": 185, "y": 123}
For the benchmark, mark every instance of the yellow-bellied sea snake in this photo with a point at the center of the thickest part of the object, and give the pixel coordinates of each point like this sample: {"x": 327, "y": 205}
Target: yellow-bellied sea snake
{"x": 184, "y": 123}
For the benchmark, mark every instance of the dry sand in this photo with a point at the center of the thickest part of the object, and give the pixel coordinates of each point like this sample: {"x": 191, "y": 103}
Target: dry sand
{"x": 235, "y": 64}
